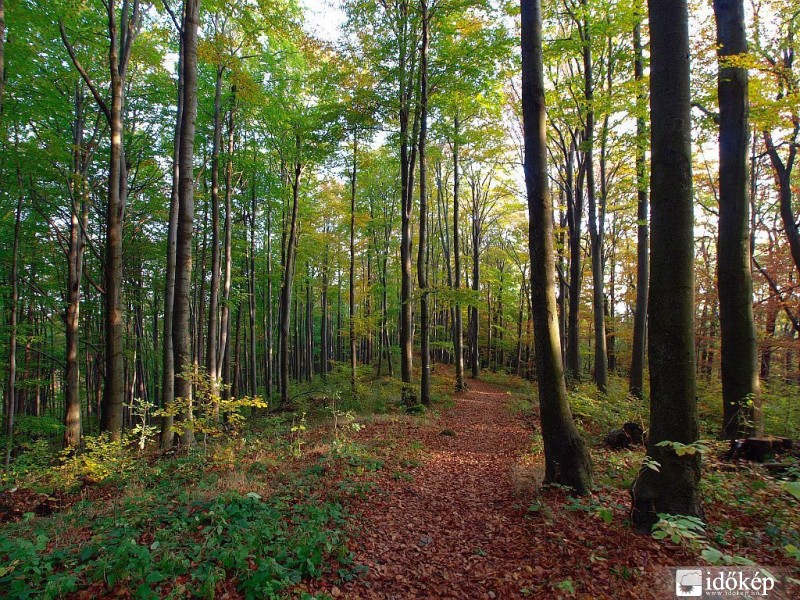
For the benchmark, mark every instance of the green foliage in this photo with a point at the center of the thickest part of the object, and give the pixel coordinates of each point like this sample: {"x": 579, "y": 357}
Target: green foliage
{"x": 679, "y": 529}
{"x": 698, "y": 447}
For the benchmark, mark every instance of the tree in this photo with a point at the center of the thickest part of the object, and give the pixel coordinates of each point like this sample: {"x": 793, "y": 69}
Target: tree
{"x": 739, "y": 350}
{"x": 636, "y": 384}
{"x": 181, "y": 332}
{"x": 567, "y": 461}
{"x": 674, "y": 488}
{"x": 122, "y": 32}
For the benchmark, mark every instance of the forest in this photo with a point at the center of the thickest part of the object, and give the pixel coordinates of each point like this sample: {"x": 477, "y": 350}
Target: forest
{"x": 398, "y": 298}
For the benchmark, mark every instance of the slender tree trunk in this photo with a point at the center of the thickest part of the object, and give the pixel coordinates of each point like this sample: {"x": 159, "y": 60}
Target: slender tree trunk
{"x": 268, "y": 308}
{"x": 567, "y": 461}
{"x": 574, "y": 219}
{"x": 739, "y": 348}
{"x": 251, "y": 293}
{"x": 11, "y": 399}
{"x": 181, "y": 333}
{"x": 212, "y": 341}
{"x": 674, "y": 489}
{"x": 636, "y": 383}
{"x": 79, "y": 217}
{"x": 168, "y": 369}
{"x": 458, "y": 326}
{"x": 352, "y": 283}
{"x": 2, "y": 56}
{"x": 422, "y": 254}
{"x": 286, "y": 284}
{"x": 595, "y": 228}
{"x": 224, "y": 358}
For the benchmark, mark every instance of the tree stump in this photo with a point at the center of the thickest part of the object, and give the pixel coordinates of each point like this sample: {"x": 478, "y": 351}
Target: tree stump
{"x": 758, "y": 449}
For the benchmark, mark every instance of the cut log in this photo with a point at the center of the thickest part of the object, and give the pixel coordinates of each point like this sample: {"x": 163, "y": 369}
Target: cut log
{"x": 758, "y": 449}
{"x": 630, "y": 434}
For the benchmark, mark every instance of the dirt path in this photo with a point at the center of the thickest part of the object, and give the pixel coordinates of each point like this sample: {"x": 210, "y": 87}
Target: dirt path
{"x": 454, "y": 530}
{"x": 460, "y": 524}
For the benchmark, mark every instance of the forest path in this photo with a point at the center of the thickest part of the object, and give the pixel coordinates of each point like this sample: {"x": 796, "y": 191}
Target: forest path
{"x": 455, "y": 528}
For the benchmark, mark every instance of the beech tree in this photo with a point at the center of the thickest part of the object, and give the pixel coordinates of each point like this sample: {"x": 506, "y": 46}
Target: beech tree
{"x": 567, "y": 460}
{"x": 675, "y": 487}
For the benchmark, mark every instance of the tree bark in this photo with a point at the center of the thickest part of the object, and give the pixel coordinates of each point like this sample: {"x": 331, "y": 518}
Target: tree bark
{"x": 11, "y": 399}
{"x": 212, "y": 340}
{"x": 739, "y": 346}
{"x": 458, "y": 326}
{"x": 352, "y": 282}
{"x": 422, "y": 254}
{"x": 286, "y": 284}
{"x": 168, "y": 369}
{"x": 79, "y": 217}
{"x": 181, "y": 332}
{"x": 567, "y": 461}
{"x": 595, "y": 220}
{"x": 636, "y": 383}
{"x": 674, "y": 489}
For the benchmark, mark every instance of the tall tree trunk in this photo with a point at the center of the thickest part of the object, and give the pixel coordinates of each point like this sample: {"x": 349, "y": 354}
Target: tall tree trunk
{"x": 11, "y": 397}
{"x": 79, "y": 217}
{"x": 458, "y": 326}
{"x": 212, "y": 340}
{"x": 251, "y": 293}
{"x": 595, "y": 220}
{"x": 324, "y": 348}
{"x": 739, "y": 348}
{"x": 574, "y": 220}
{"x": 168, "y": 369}
{"x": 223, "y": 361}
{"x": 181, "y": 333}
{"x": 407, "y": 160}
{"x": 422, "y": 254}
{"x": 567, "y": 461}
{"x": 352, "y": 283}
{"x": 636, "y": 383}
{"x": 674, "y": 489}
{"x": 286, "y": 284}
{"x": 268, "y": 309}
{"x": 2, "y": 56}
{"x": 114, "y": 390}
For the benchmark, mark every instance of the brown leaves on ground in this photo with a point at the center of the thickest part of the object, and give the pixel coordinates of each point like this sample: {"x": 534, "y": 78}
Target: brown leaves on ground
{"x": 460, "y": 525}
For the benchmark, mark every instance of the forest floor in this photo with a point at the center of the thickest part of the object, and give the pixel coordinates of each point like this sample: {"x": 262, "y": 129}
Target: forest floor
{"x": 470, "y": 521}
{"x": 355, "y": 499}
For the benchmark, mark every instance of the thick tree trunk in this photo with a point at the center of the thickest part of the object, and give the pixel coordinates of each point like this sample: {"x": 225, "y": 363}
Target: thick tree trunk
{"x": 674, "y": 489}
{"x": 567, "y": 461}
{"x": 181, "y": 333}
{"x": 114, "y": 390}
{"x": 739, "y": 346}
{"x": 636, "y": 383}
